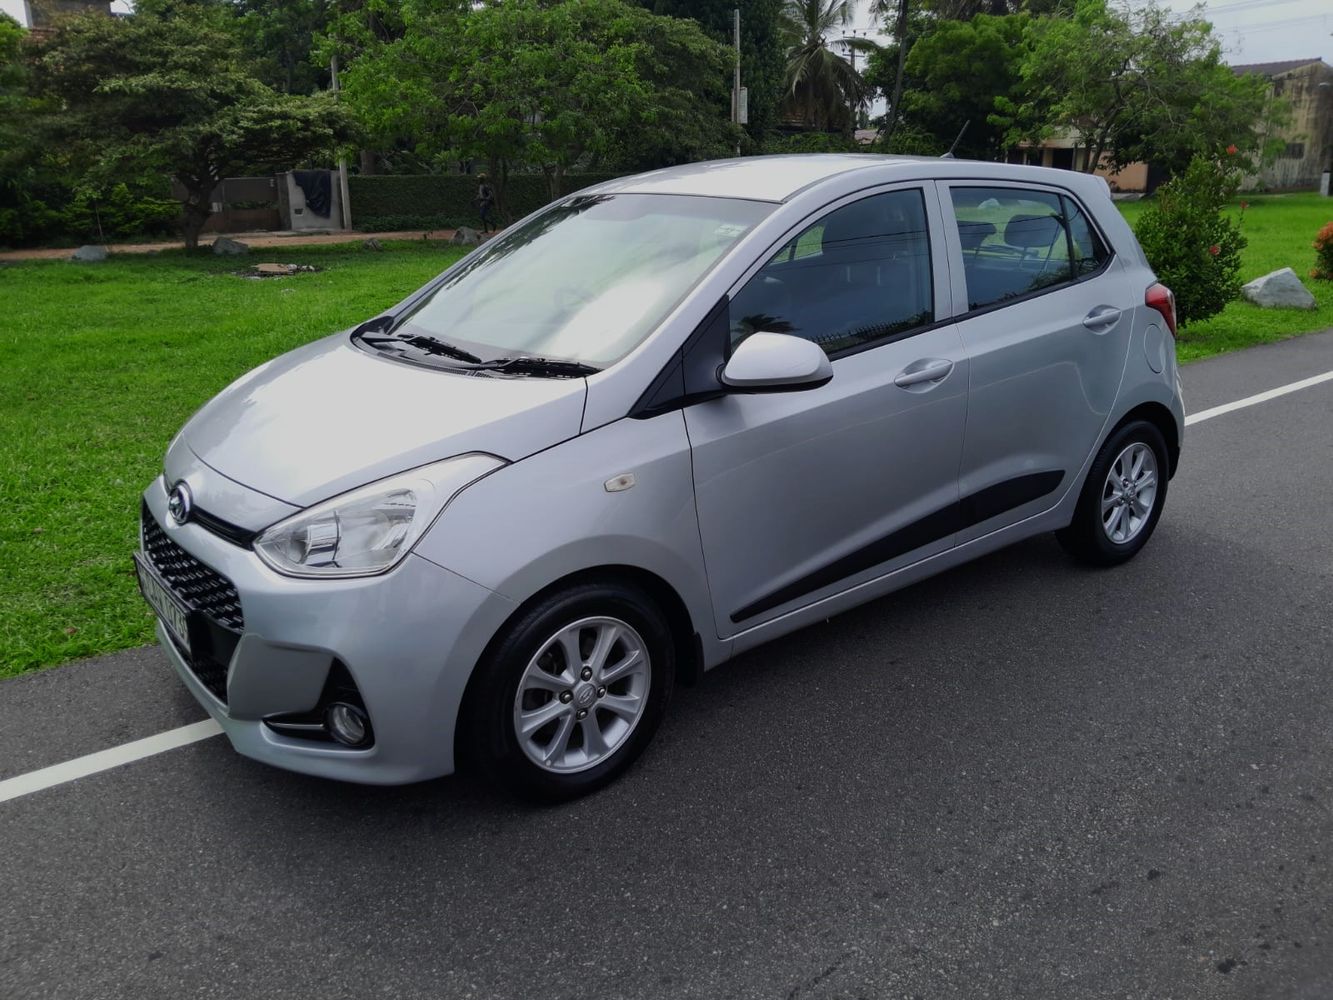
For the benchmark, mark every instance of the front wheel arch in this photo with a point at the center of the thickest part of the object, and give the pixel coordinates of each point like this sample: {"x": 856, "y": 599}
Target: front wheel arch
{"x": 685, "y": 639}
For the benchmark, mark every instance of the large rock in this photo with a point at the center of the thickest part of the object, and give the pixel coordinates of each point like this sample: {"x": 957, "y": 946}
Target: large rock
{"x": 90, "y": 254}
{"x": 1278, "y": 290}
{"x": 466, "y": 237}
{"x": 223, "y": 246}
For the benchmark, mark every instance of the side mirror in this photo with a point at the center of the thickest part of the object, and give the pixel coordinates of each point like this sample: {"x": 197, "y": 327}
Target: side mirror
{"x": 776, "y": 362}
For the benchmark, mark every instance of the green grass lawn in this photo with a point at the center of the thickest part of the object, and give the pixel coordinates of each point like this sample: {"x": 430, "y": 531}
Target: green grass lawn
{"x": 102, "y": 365}
{"x": 1280, "y": 229}
{"x": 104, "y": 362}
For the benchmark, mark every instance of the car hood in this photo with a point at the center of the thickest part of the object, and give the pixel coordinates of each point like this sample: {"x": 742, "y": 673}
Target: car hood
{"x": 329, "y": 417}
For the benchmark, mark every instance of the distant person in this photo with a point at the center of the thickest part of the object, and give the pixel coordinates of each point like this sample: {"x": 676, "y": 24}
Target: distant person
{"x": 485, "y": 202}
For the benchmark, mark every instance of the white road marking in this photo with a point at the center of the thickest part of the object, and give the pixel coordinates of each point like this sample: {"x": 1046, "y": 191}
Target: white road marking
{"x": 127, "y": 753}
{"x": 104, "y": 760}
{"x": 1258, "y": 397}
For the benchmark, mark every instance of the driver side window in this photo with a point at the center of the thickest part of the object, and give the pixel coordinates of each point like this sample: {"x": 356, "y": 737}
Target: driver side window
{"x": 859, "y": 275}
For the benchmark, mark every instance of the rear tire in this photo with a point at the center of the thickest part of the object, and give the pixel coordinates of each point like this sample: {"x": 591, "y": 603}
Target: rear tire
{"x": 571, "y": 691}
{"x": 1122, "y": 498}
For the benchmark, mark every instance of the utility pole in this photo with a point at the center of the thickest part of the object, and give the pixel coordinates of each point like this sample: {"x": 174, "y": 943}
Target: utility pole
{"x": 344, "y": 199}
{"x": 851, "y": 57}
{"x": 736, "y": 76}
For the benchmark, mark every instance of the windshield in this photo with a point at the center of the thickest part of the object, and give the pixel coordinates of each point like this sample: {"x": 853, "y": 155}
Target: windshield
{"x": 584, "y": 282}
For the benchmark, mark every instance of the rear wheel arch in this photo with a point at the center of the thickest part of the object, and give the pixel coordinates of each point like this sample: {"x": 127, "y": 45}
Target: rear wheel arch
{"x": 1164, "y": 420}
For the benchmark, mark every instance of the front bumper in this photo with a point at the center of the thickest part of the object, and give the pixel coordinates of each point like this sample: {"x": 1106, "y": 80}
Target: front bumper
{"x": 409, "y": 638}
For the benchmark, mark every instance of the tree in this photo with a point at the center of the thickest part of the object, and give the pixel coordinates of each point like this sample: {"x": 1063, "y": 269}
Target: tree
{"x": 279, "y": 36}
{"x": 14, "y": 101}
{"x": 886, "y": 67}
{"x": 23, "y": 212}
{"x": 965, "y": 10}
{"x": 1130, "y": 87}
{"x": 956, "y": 71}
{"x": 545, "y": 86}
{"x": 763, "y": 56}
{"x": 169, "y": 93}
{"x": 822, "y": 88}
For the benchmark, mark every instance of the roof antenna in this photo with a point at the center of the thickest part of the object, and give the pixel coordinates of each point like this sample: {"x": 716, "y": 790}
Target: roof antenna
{"x": 949, "y": 154}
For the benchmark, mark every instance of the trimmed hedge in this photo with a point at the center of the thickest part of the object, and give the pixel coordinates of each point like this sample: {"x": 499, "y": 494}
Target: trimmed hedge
{"x": 390, "y": 202}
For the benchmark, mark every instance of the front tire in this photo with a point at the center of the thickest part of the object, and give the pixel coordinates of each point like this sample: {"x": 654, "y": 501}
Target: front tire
{"x": 572, "y": 691}
{"x": 1122, "y": 498}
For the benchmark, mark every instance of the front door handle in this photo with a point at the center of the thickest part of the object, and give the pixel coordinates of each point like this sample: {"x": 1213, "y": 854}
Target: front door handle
{"x": 925, "y": 370}
{"x": 1101, "y": 317}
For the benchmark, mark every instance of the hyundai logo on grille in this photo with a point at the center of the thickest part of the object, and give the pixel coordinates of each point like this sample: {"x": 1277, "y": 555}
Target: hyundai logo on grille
{"x": 180, "y": 503}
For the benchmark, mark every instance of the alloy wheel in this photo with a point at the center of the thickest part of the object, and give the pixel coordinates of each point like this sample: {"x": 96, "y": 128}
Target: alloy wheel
{"x": 582, "y": 694}
{"x": 1129, "y": 493}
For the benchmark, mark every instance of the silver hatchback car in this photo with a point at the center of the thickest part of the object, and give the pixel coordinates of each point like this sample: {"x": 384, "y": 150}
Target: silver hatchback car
{"x": 656, "y": 424}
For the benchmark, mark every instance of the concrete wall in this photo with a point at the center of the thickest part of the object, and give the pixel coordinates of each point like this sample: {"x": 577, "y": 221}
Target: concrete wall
{"x": 298, "y": 215}
{"x": 1310, "y": 133}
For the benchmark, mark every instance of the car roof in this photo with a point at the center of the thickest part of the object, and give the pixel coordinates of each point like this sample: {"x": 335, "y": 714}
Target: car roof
{"x": 779, "y": 178}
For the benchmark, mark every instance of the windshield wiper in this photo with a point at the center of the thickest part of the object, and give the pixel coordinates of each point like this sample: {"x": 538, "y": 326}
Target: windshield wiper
{"x": 531, "y": 364}
{"x": 431, "y": 345}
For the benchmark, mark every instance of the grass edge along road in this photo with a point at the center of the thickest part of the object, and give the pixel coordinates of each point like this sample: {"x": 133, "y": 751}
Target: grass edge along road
{"x": 105, "y": 362}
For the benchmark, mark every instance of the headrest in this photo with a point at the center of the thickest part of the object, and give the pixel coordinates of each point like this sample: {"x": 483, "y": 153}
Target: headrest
{"x": 1032, "y": 231}
{"x": 860, "y": 231}
{"x": 973, "y": 234}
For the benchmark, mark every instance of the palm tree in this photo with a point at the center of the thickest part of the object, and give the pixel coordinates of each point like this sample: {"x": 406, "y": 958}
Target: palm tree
{"x": 822, "y": 88}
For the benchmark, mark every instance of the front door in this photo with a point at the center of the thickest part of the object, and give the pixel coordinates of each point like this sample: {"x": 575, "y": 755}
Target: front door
{"x": 802, "y": 495}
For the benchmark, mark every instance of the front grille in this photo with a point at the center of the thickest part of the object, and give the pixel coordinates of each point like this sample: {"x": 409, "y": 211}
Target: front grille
{"x": 201, "y": 588}
{"x": 217, "y": 620}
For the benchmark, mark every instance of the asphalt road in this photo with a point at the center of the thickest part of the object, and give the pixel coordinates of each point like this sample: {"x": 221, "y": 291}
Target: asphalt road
{"x": 1020, "y": 779}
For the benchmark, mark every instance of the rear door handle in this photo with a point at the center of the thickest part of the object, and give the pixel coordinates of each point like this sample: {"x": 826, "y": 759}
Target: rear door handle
{"x": 1101, "y": 317}
{"x": 925, "y": 370}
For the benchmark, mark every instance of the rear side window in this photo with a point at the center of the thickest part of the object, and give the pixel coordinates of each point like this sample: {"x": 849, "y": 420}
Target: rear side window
{"x": 1088, "y": 251}
{"x": 860, "y": 274}
{"x": 1016, "y": 242}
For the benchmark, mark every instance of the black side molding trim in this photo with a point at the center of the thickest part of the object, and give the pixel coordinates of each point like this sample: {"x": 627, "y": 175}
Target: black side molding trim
{"x": 970, "y": 510}
{"x": 995, "y": 500}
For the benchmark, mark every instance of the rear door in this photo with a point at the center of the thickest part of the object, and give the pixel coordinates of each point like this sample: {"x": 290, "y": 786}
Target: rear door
{"x": 802, "y": 495}
{"x": 1045, "y": 315}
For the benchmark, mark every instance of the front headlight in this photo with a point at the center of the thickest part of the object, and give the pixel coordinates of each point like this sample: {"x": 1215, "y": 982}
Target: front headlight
{"x": 369, "y": 530}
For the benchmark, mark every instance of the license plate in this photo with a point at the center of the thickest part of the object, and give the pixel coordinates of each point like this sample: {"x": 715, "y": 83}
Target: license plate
{"x": 164, "y": 602}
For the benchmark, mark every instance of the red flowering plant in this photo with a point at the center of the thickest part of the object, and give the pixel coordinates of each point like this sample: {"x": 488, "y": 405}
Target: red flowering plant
{"x": 1323, "y": 250}
{"x": 1194, "y": 247}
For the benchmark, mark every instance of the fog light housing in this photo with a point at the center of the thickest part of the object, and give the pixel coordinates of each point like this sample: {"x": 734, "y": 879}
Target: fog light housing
{"x": 347, "y": 724}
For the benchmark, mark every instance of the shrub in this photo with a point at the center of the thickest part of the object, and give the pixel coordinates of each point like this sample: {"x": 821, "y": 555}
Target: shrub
{"x": 439, "y": 201}
{"x": 119, "y": 213}
{"x": 811, "y": 142}
{"x": 1323, "y": 251}
{"x": 1192, "y": 246}
{"x": 911, "y": 140}
{"x": 39, "y": 206}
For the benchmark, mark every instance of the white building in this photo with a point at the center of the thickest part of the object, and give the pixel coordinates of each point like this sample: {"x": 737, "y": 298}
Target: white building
{"x": 19, "y": 10}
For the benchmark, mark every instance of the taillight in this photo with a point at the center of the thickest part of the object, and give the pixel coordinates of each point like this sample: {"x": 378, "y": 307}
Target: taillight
{"x": 1162, "y": 299}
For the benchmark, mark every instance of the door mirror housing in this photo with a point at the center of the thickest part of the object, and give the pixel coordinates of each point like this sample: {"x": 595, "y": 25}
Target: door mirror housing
{"x": 776, "y": 362}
